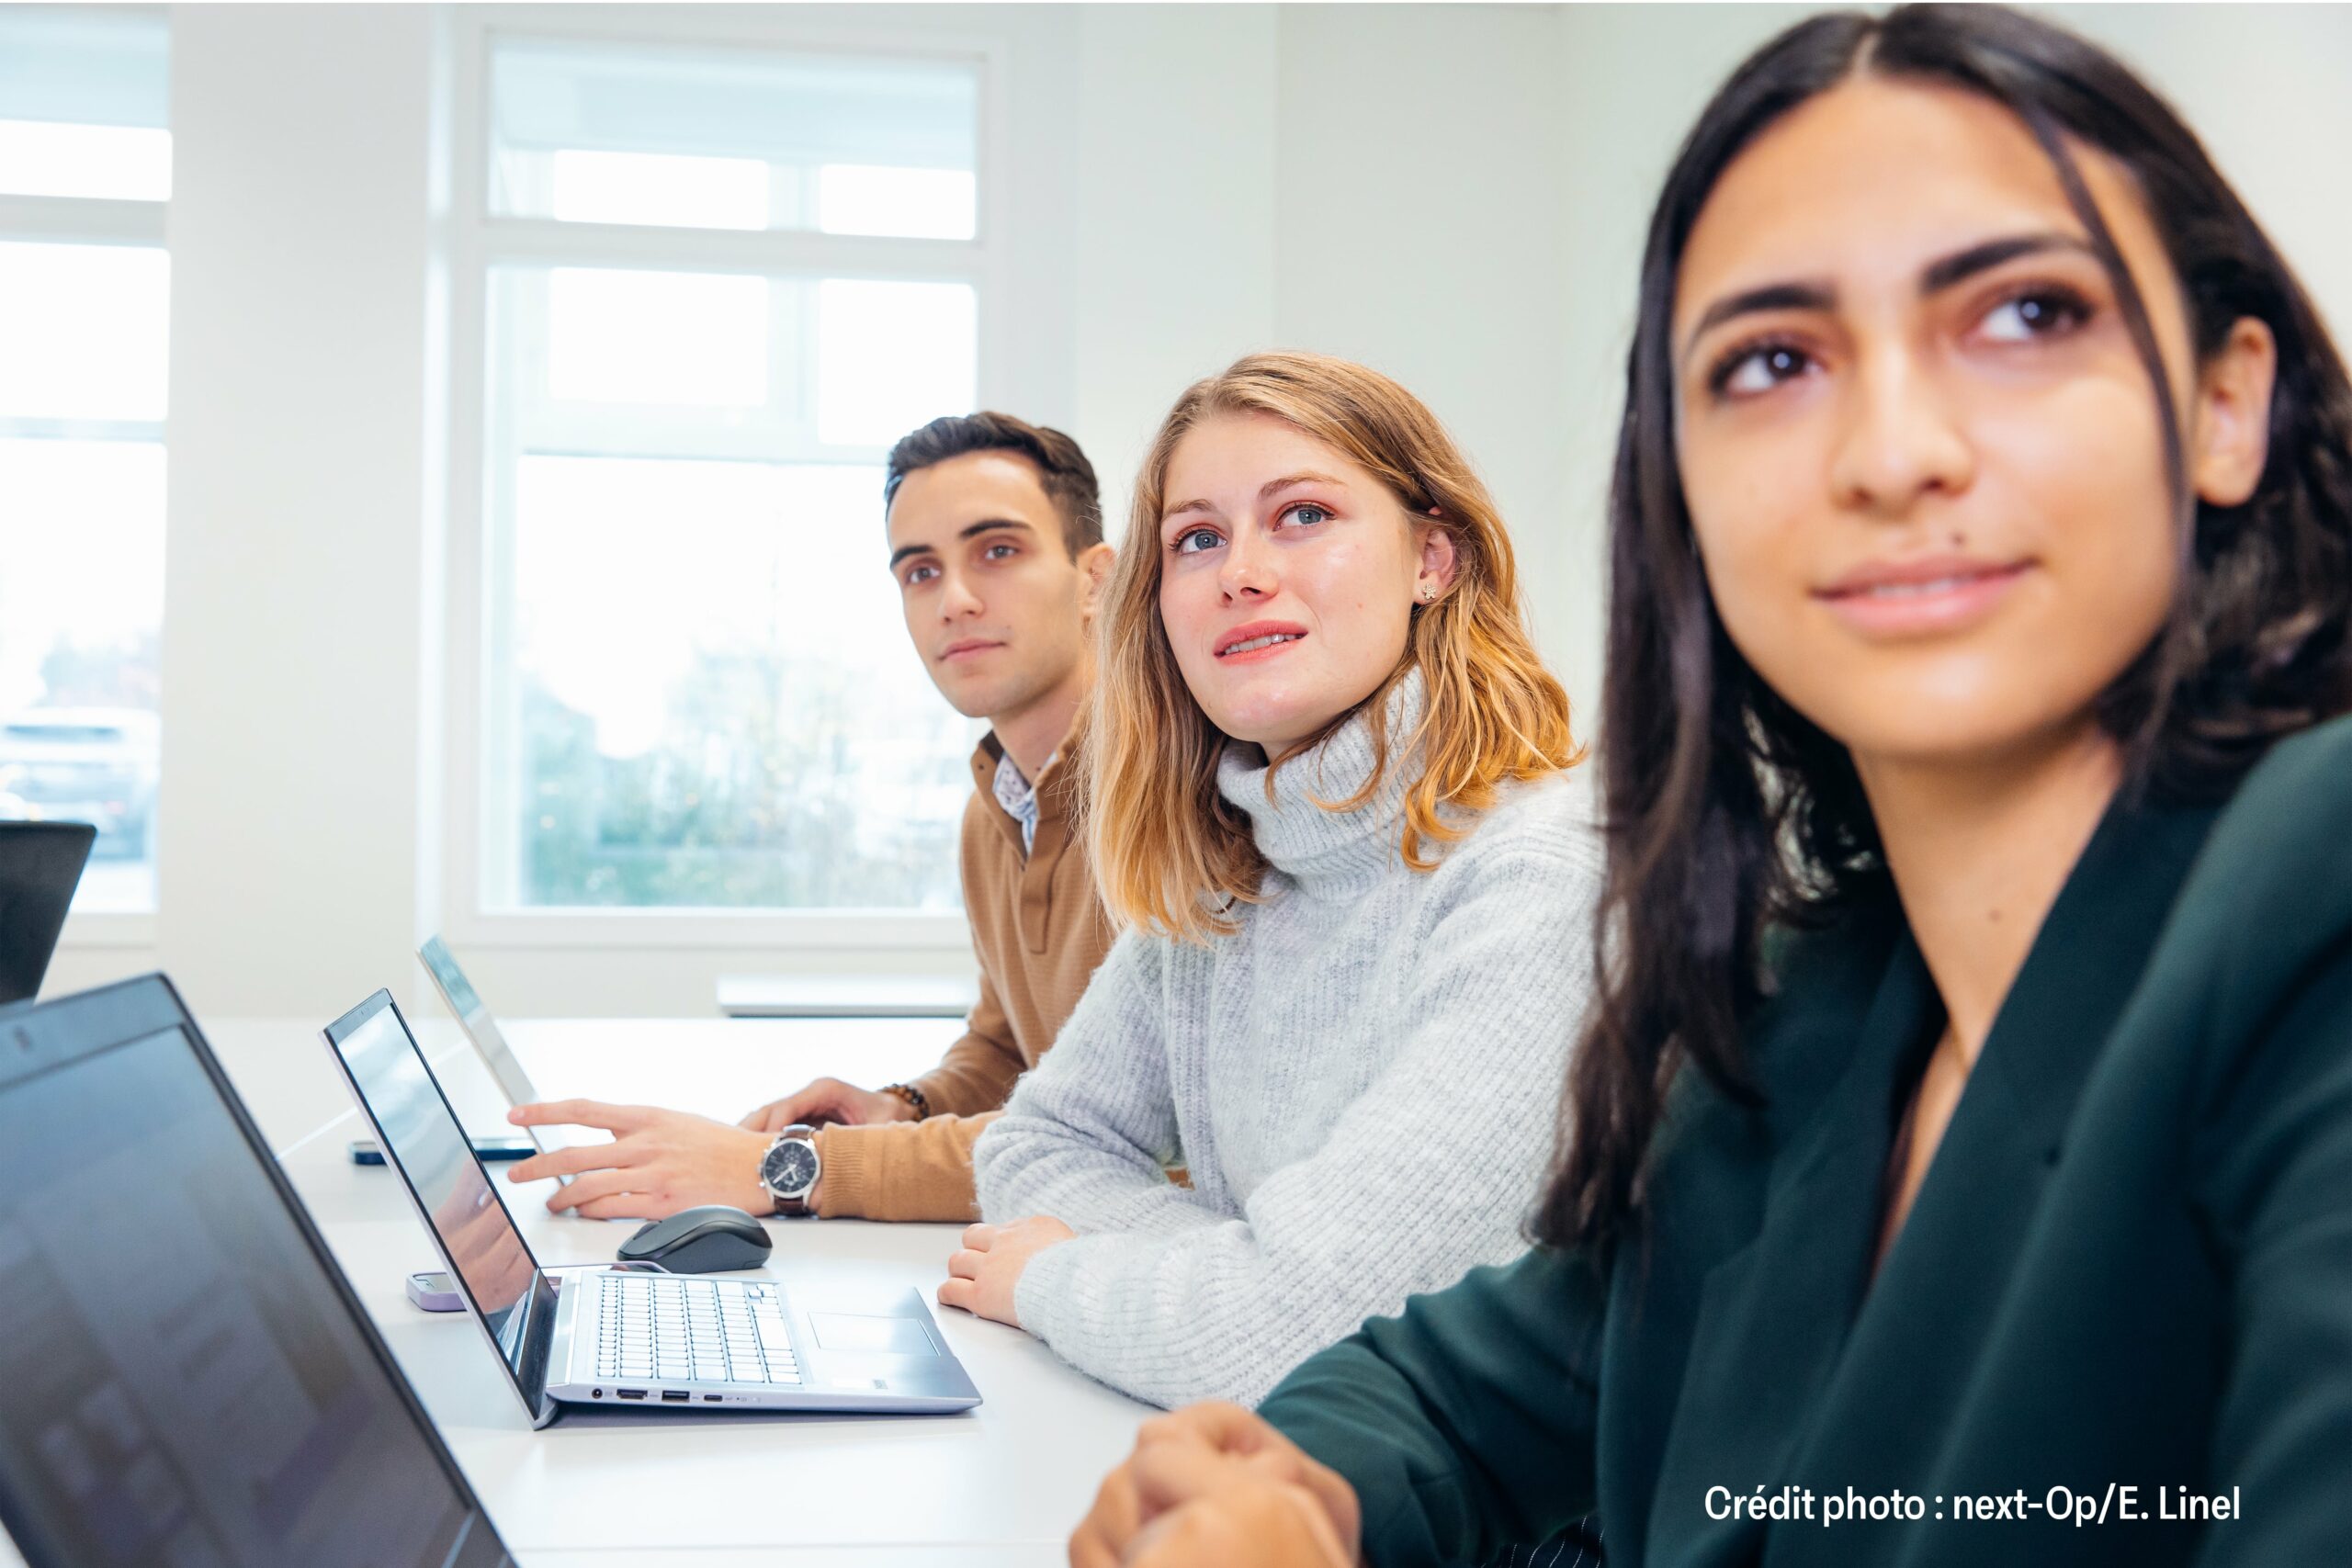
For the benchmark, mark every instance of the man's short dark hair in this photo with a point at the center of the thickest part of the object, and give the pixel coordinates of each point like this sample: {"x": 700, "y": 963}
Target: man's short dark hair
{"x": 1062, "y": 469}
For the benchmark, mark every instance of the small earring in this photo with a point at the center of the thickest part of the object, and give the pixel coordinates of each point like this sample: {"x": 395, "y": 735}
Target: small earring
{"x": 1428, "y": 594}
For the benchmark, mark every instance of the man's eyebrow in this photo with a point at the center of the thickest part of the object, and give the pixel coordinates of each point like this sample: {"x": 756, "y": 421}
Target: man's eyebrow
{"x": 1272, "y": 487}
{"x": 990, "y": 525}
{"x": 969, "y": 530}
{"x": 1963, "y": 264}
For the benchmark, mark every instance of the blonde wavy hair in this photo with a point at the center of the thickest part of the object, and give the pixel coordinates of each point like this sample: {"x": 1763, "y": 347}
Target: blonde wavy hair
{"x": 1171, "y": 854}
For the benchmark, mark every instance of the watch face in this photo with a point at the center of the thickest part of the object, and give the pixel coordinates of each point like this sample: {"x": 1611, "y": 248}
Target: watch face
{"x": 790, "y": 1168}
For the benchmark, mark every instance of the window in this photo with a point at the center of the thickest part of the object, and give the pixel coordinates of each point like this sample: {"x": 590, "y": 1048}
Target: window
{"x": 734, "y": 138}
{"x": 716, "y": 285}
{"x": 85, "y": 168}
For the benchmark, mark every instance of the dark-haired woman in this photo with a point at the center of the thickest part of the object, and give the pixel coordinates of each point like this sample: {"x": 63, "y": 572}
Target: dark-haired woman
{"x": 1959, "y": 1167}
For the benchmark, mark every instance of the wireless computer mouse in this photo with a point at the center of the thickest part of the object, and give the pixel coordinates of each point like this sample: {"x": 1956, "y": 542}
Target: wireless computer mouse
{"x": 708, "y": 1240}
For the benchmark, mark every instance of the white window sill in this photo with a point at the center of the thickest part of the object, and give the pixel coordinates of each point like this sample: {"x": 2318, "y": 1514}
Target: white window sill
{"x": 768, "y": 930}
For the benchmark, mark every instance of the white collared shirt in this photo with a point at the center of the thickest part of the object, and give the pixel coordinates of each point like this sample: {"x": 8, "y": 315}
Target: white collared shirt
{"x": 1019, "y": 797}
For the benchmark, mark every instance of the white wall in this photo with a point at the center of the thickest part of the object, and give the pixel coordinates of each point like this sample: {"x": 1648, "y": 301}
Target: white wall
{"x": 301, "y": 442}
{"x": 1454, "y": 193}
{"x": 1423, "y": 231}
{"x": 1175, "y": 229}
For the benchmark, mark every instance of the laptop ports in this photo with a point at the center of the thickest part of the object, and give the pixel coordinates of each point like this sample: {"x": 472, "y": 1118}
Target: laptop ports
{"x": 675, "y": 1396}
{"x": 630, "y": 1392}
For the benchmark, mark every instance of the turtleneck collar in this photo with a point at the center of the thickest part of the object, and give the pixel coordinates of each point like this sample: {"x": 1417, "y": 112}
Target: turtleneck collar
{"x": 1323, "y": 849}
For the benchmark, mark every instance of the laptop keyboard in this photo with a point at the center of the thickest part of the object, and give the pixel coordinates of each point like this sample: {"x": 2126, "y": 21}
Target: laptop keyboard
{"x": 664, "y": 1328}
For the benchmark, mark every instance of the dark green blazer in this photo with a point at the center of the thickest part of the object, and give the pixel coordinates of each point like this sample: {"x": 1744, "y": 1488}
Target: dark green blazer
{"x": 2129, "y": 1266}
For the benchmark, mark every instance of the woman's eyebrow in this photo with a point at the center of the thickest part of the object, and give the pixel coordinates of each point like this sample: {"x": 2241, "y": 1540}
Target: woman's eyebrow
{"x": 1305, "y": 477}
{"x": 1271, "y": 487}
{"x": 1757, "y": 301}
{"x": 1963, "y": 264}
{"x": 1944, "y": 272}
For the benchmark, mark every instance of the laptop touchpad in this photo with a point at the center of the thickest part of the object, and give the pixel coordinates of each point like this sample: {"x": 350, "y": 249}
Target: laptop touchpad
{"x": 845, "y": 1331}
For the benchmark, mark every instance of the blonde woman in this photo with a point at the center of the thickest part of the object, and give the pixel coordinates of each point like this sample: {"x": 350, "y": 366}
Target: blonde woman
{"x": 1330, "y": 808}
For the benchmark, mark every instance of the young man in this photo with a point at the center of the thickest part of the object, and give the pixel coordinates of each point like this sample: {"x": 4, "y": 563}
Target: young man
{"x": 996, "y": 543}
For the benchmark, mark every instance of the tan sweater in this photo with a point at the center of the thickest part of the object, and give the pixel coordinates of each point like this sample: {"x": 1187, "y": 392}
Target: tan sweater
{"x": 1038, "y": 931}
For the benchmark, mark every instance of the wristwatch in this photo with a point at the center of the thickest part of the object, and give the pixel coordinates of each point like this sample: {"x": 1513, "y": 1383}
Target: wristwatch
{"x": 789, "y": 1171}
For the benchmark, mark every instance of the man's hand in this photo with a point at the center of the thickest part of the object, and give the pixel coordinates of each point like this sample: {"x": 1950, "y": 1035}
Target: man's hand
{"x": 982, "y": 1276}
{"x": 828, "y": 1100}
{"x": 659, "y": 1161}
{"x": 1214, "y": 1485}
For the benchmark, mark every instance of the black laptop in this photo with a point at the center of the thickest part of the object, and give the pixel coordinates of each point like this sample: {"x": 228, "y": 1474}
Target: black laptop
{"x": 188, "y": 1377}
{"x": 40, "y": 864}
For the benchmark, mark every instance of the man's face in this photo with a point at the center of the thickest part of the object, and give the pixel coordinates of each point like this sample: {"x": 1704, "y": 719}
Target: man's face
{"x": 994, "y": 603}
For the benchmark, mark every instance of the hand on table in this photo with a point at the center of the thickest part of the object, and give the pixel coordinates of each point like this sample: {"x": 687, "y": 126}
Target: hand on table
{"x": 1214, "y": 1486}
{"x": 828, "y": 1100}
{"x": 982, "y": 1276}
{"x": 659, "y": 1161}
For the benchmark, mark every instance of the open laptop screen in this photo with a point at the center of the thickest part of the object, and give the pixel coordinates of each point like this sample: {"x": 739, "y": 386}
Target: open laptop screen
{"x": 189, "y": 1379}
{"x": 425, "y": 1143}
{"x": 40, "y": 864}
{"x": 474, "y": 1016}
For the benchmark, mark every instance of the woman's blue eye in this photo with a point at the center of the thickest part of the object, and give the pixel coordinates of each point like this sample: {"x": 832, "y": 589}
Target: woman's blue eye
{"x": 1192, "y": 541}
{"x": 1759, "y": 369}
{"x": 1308, "y": 512}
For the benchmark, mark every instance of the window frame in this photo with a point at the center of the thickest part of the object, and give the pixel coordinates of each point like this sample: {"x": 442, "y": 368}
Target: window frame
{"x": 140, "y": 225}
{"x": 479, "y": 241}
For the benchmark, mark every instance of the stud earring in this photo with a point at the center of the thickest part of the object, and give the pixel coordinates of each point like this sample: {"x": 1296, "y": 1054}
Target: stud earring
{"x": 1428, "y": 594}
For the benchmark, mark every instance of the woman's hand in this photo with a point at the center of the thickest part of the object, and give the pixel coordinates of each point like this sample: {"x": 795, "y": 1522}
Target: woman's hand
{"x": 1214, "y": 1485}
{"x": 982, "y": 1276}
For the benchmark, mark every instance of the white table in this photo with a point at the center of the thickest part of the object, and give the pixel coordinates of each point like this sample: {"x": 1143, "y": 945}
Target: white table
{"x": 997, "y": 1487}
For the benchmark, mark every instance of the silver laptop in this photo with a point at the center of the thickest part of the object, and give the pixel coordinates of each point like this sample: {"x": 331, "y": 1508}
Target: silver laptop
{"x": 613, "y": 1338}
{"x": 473, "y": 1017}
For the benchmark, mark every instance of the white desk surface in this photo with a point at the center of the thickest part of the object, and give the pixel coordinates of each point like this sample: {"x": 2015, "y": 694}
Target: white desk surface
{"x": 997, "y": 1487}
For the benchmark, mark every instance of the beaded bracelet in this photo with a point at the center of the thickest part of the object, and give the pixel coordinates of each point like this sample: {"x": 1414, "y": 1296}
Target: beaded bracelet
{"x": 912, "y": 1096}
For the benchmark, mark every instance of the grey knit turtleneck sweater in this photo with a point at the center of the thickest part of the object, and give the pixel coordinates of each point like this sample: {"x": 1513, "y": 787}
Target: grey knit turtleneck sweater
{"x": 1363, "y": 1080}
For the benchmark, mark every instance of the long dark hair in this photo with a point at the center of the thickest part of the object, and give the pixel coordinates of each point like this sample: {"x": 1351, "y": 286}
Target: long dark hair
{"x": 1729, "y": 814}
